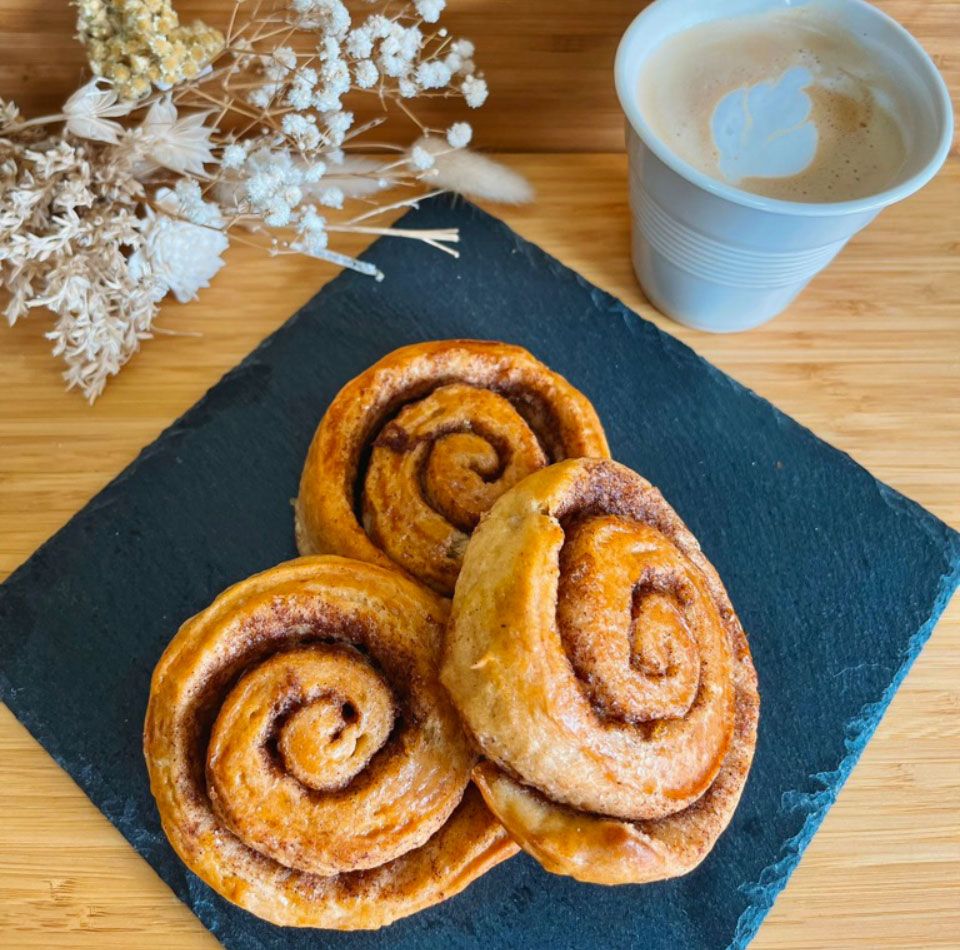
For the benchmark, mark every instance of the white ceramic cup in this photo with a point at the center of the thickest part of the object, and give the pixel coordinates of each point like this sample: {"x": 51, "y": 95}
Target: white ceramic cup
{"x": 720, "y": 259}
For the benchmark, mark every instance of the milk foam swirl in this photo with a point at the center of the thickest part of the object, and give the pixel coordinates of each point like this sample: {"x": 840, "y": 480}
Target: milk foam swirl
{"x": 785, "y": 103}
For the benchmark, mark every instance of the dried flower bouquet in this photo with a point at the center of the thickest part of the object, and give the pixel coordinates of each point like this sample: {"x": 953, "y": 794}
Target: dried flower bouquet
{"x": 250, "y": 136}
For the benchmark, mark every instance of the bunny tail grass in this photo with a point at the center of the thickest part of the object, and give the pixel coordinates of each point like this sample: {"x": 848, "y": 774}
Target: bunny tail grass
{"x": 473, "y": 175}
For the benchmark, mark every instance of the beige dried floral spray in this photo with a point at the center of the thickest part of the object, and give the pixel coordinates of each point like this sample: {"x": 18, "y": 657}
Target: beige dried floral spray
{"x": 253, "y": 135}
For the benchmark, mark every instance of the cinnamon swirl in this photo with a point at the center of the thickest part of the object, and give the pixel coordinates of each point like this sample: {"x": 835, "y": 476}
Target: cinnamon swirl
{"x": 598, "y": 662}
{"x": 305, "y": 761}
{"x": 413, "y": 451}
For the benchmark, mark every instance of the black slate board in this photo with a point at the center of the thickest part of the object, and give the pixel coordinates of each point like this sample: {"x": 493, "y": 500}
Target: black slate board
{"x": 838, "y": 579}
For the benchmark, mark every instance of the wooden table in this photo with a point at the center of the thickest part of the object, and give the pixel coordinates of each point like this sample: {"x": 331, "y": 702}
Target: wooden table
{"x": 869, "y": 359}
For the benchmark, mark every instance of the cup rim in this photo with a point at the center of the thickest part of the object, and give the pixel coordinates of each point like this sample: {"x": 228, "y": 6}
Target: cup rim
{"x": 874, "y": 202}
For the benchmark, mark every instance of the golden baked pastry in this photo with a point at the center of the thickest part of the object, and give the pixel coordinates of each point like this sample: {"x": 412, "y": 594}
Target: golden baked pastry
{"x": 595, "y": 657}
{"x": 305, "y": 761}
{"x": 420, "y": 446}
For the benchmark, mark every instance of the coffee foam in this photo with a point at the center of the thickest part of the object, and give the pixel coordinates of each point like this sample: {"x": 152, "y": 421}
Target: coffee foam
{"x": 785, "y": 104}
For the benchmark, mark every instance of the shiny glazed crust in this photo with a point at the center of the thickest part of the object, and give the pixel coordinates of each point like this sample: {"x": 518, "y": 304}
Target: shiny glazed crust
{"x": 305, "y": 762}
{"x": 595, "y": 657}
{"x": 413, "y": 451}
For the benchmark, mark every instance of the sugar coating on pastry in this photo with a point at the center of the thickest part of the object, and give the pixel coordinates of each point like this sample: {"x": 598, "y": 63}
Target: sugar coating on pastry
{"x": 414, "y": 450}
{"x": 305, "y": 761}
{"x": 599, "y": 664}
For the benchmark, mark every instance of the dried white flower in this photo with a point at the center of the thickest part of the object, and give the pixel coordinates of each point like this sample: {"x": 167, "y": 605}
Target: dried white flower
{"x": 9, "y": 113}
{"x": 430, "y": 10}
{"x": 233, "y": 156}
{"x": 411, "y": 41}
{"x": 281, "y": 61}
{"x": 420, "y": 158}
{"x": 180, "y": 143}
{"x": 399, "y": 49}
{"x": 190, "y": 204}
{"x": 336, "y": 77}
{"x": 328, "y": 49}
{"x": 359, "y": 44}
{"x": 433, "y": 74}
{"x": 311, "y": 227}
{"x": 280, "y": 214}
{"x": 474, "y": 91}
{"x": 89, "y": 110}
{"x": 459, "y": 135}
{"x": 331, "y": 198}
{"x": 326, "y": 101}
{"x": 329, "y": 15}
{"x": 302, "y": 129}
{"x": 301, "y": 89}
{"x": 314, "y": 172}
{"x": 338, "y": 124}
{"x": 263, "y": 96}
{"x": 176, "y": 255}
{"x": 365, "y": 74}
{"x": 393, "y": 65}
{"x": 275, "y": 184}
{"x": 380, "y": 27}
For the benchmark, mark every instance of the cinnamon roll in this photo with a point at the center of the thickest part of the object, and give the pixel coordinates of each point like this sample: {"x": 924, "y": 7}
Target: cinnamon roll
{"x": 599, "y": 664}
{"x": 305, "y": 761}
{"x": 413, "y": 451}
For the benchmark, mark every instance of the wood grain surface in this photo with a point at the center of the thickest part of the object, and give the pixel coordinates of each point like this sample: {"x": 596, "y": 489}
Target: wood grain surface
{"x": 549, "y": 62}
{"x": 869, "y": 358}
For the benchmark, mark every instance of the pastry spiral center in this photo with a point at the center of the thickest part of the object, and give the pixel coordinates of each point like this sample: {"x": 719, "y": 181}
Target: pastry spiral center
{"x": 295, "y": 731}
{"x": 461, "y": 478}
{"x": 325, "y": 711}
{"x": 436, "y": 468}
{"x": 329, "y": 741}
{"x": 627, "y": 612}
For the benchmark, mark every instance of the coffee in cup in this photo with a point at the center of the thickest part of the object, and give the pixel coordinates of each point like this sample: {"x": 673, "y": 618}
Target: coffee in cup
{"x": 784, "y": 103}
